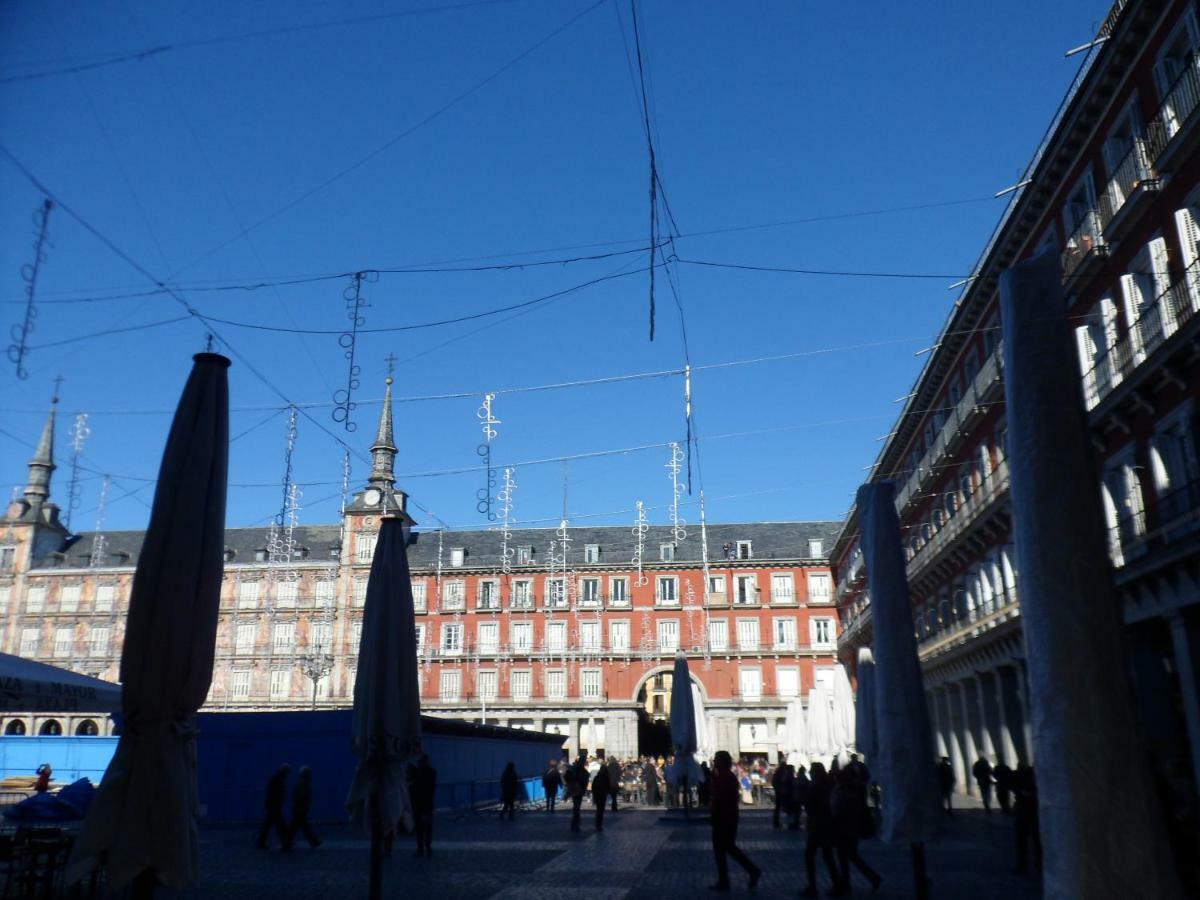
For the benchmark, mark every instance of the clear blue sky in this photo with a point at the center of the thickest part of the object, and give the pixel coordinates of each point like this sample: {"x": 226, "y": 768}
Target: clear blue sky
{"x": 762, "y": 112}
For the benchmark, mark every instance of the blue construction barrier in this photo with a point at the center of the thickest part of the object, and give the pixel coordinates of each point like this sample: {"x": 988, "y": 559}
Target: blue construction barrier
{"x": 71, "y": 757}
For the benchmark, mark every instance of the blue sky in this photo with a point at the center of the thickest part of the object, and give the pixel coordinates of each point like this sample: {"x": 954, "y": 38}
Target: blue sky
{"x": 215, "y": 163}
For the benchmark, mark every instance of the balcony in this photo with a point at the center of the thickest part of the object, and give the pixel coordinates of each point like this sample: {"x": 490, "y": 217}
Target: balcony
{"x": 1130, "y": 191}
{"x": 1171, "y": 311}
{"x": 717, "y": 598}
{"x": 616, "y": 601}
{"x": 1172, "y": 517}
{"x": 991, "y": 490}
{"x": 1173, "y": 133}
{"x": 747, "y": 597}
{"x": 1086, "y": 249}
{"x": 974, "y": 623}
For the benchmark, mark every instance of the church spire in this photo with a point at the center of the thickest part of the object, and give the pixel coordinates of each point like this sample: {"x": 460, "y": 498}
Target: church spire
{"x": 37, "y": 491}
{"x": 383, "y": 451}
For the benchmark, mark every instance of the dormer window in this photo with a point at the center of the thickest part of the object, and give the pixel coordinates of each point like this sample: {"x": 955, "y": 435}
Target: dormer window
{"x": 591, "y": 553}
{"x": 816, "y": 548}
{"x": 457, "y": 554}
{"x": 666, "y": 552}
{"x": 745, "y": 550}
{"x": 524, "y": 556}
{"x": 230, "y": 554}
{"x": 260, "y": 555}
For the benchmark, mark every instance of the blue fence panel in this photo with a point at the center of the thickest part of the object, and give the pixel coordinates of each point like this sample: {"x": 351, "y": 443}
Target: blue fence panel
{"x": 71, "y": 757}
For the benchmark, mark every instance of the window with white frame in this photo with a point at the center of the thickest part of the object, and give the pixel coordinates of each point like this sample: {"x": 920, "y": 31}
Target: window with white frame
{"x": 820, "y": 587}
{"x": 750, "y": 682}
{"x": 618, "y": 636}
{"x": 64, "y": 641}
{"x": 816, "y": 548}
{"x": 240, "y": 684}
{"x": 1178, "y": 53}
{"x": 522, "y": 637}
{"x": 668, "y": 635}
{"x": 666, "y": 552}
{"x": 98, "y": 640}
{"x": 454, "y": 595}
{"x": 420, "y": 630}
{"x": 359, "y": 593}
{"x": 68, "y": 598}
{"x": 489, "y": 637}
{"x": 745, "y": 589}
{"x": 718, "y": 635}
{"x": 589, "y": 591}
{"x": 106, "y": 595}
{"x": 590, "y": 684}
{"x": 452, "y": 638}
{"x": 591, "y": 553}
{"x": 820, "y": 632}
{"x": 1078, "y": 220}
{"x": 283, "y": 637}
{"x": 783, "y": 588}
{"x": 489, "y": 594}
{"x": 520, "y": 684}
{"x": 748, "y": 634}
{"x": 281, "y": 684}
{"x": 556, "y": 635}
{"x": 787, "y": 682}
{"x": 745, "y": 550}
{"x": 30, "y": 638}
{"x": 524, "y": 556}
{"x": 5, "y": 599}
{"x": 618, "y": 590}
{"x": 457, "y": 556}
{"x": 451, "y": 685}
{"x": 1142, "y": 286}
{"x": 243, "y": 638}
{"x": 1187, "y": 221}
{"x": 286, "y": 593}
{"x": 522, "y": 594}
{"x": 556, "y": 684}
{"x": 320, "y": 637}
{"x": 1173, "y": 463}
{"x": 667, "y": 590}
{"x": 487, "y": 684}
{"x": 716, "y": 584}
{"x": 589, "y": 636}
{"x": 556, "y": 592}
{"x": 785, "y": 634}
{"x": 325, "y": 590}
{"x": 420, "y": 595}
{"x": 248, "y": 595}
{"x": 365, "y": 548}
{"x": 35, "y": 599}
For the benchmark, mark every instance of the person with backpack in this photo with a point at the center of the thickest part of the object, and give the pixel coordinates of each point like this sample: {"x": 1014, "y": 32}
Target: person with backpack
{"x": 552, "y": 781}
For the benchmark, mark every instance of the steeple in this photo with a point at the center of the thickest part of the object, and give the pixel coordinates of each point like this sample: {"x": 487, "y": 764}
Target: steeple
{"x": 383, "y": 451}
{"x": 37, "y": 491}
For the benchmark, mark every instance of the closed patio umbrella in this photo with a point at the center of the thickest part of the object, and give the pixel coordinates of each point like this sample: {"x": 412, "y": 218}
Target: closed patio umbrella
{"x": 818, "y": 734}
{"x": 794, "y": 745}
{"x": 142, "y": 824}
{"x": 683, "y": 728}
{"x": 387, "y": 701}
{"x": 843, "y": 709}
{"x": 702, "y": 742}
{"x": 27, "y": 686}
{"x": 864, "y": 706}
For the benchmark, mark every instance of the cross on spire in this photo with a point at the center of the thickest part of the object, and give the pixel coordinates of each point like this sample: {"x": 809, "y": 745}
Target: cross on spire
{"x": 58, "y": 380}
{"x": 391, "y": 363}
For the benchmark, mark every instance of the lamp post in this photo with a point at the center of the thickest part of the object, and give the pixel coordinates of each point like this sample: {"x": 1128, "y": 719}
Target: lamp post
{"x": 315, "y": 666}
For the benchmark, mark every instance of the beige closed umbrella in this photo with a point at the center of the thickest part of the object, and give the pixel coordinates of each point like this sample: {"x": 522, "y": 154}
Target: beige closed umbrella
{"x": 142, "y": 824}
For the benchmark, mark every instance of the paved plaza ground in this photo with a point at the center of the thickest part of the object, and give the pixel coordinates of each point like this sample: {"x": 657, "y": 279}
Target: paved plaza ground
{"x": 636, "y": 857}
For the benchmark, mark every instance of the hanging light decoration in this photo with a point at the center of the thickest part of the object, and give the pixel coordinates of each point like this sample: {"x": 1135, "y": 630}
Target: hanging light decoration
{"x": 488, "y": 423}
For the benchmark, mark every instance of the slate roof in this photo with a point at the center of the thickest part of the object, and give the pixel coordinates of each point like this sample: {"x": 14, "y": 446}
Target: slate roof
{"x": 769, "y": 541}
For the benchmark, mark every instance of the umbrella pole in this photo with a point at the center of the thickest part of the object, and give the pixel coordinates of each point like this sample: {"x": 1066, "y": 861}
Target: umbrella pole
{"x": 920, "y": 879}
{"x": 376, "y": 883}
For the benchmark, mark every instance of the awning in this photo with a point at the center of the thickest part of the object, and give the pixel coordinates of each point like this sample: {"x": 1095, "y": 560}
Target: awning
{"x": 28, "y": 686}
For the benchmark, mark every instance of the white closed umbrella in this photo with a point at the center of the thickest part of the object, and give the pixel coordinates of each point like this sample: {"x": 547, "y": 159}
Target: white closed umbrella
{"x": 819, "y": 731}
{"x": 794, "y": 730}
{"x": 864, "y": 706}
{"x": 843, "y": 708}
{"x": 387, "y": 701}
{"x": 142, "y": 824}
{"x": 702, "y": 746}
{"x": 685, "y": 770}
{"x": 28, "y": 686}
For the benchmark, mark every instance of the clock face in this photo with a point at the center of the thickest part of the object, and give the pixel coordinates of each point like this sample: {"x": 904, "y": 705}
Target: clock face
{"x": 372, "y": 497}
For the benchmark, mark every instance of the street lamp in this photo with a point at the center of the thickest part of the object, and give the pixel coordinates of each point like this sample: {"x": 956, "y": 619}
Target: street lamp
{"x": 316, "y": 665}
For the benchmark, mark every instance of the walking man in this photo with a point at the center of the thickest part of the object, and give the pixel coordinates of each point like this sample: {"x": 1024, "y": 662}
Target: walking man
{"x": 551, "y": 782}
{"x": 273, "y": 818}
{"x": 508, "y": 791}
{"x": 945, "y": 777}
{"x": 1003, "y": 776}
{"x": 601, "y": 788}
{"x": 780, "y": 797}
{"x": 725, "y": 791}
{"x": 301, "y": 802}
{"x": 576, "y": 780}
{"x": 422, "y": 787}
{"x": 614, "y": 781}
{"x": 982, "y": 770}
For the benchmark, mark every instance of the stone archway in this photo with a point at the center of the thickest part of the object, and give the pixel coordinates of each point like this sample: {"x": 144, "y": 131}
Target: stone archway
{"x": 652, "y": 694}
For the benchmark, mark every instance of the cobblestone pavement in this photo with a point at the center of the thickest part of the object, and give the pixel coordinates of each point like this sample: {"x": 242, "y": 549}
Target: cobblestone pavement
{"x": 637, "y": 857}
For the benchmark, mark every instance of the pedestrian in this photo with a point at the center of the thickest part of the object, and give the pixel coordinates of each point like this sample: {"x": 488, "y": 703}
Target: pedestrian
{"x": 614, "y": 781}
{"x": 301, "y": 802}
{"x": 551, "y": 782}
{"x": 1003, "y": 776}
{"x": 42, "y": 785}
{"x": 945, "y": 778}
{"x": 852, "y": 822}
{"x": 650, "y": 780}
{"x": 601, "y": 788}
{"x": 508, "y": 791}
{"x": 421, "y": 788}
{"x": 273, "y": 817}
{"x": 800, "y": 786}
{"x": 820, "y": 826}
{"x": 1025, "y": 819}
{"x": 982, "y": 770}
{"x": 725, "y": 790}
{"x": 777, "y": 787}
{"x": 860, "y": 769}
{"x": 704, "y": 786}
{"x": 576, "y": 781}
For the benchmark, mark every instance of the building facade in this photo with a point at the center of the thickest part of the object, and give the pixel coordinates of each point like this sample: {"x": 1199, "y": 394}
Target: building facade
{"x": 1115, "y": 190}
{"x": 569, "y": 630}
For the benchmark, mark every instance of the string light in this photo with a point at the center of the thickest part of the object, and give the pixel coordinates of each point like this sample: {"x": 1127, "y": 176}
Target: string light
{"x": 99, "y": 542}
{"x": 674, "y": 464}
{"x": 488, "y": 423}
{"x": 507, "y": 551}
{"x": 343, "y": 398}
{"x": 19, "y": 349}
{"x": 79, "y": 435}
{"x": 640, "y": 528}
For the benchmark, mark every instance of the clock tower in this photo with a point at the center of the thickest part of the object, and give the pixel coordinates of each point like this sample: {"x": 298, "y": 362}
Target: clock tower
{"x": 380, "y": 496}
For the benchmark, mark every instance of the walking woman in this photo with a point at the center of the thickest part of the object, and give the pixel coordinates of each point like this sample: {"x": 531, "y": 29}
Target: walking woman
{"x": 852, "y": 821}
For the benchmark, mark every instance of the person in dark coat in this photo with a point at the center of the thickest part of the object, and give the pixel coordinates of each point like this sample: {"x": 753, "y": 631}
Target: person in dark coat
{"x": 273, "y": 818}
{"x": 820, "y": 827}
{"x": 799, "y": 795}
{"x": 601, "y": 788}
{"x": 860, "y": 769}
{"x": 982, "y": 772}
{"x": 1003, "y": 776}
{"x": 945, "y": 777}
{"x": 614, "y": 781}
{"x": 508, "y": 791}
{"x": 650, "y": 779}
{"x": 725, "y": 791}
{"x": 551, "y": 782}
{"x": 851, "y": 822}
{"x": 1025, "y": 819}
{"x": 422, "y": 785}
{"x": 704, "y": 786}
{"x": 576, "y": 781}
{"x": 301, "y": 802}
{"x": 780, "y": 798}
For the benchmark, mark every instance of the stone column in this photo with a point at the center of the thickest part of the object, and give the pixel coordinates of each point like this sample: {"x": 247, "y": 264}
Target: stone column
{"x": 987, "y": 746}
{"x": 953, "y": 736}
{"x": 725, "y": 732}
{"x": 1005, "y": 751}
{"x": 539, "y": 723}
{"x": 939, "y": 739}
{"x": 573, "y": 729}
{"x": 1185, "y": 638}
{"x": 970, "y": 750}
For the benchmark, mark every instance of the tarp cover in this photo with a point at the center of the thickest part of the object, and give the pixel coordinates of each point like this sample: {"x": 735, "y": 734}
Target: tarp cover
{"x": 28, "y": 686}
{"x": 864, "y": 706}
{"x": 684, "y": 743}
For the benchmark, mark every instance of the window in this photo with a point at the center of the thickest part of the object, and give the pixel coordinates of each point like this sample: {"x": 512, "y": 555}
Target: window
{"x": 1178, "y": 53}
{"x": 524, "y": 556}
{"x": 35, "y": 599}
{"x": 248, "y": 595}
{"x": 105, "y": 595}
{"x": 787, "y": 682}
{"x": 556, "y": 592}
{"x": 618, "y": 590}
{"x": 29, "y": 641}
{"x": 816, "y": 548}
{"x": 747, "y": 633}
{"x": 590, "y": 684}
{"x": 821, "y": 632}
{"x": 785, "y": 634}
{"x": 325, "y": 590}
{"x": 286, "y": 593}
{"x": 522, "y": 636}
{"x": 556, "y": 635}
{"x": 68, "y": 598}
{"x": 457, "y": 555}
{"x": 666, "y": 552}
{"x": 1187, "y": 220}
{"x": 489, "y": 637}
{"x": 452, "y": 636}
{"x": 522, "y": 594}
{"x": 746, "y": 589}
{"x": 64, "y": 641}
{"x": 489, "y": 594}
{"x": 1141, "y": 287}
{"x": 589, "y": 636}
{"x": 820, "y": 587}
{"x": 5, "y": 598}
{"x": 750, "y": 681}
{"x": 745, "y": 550}
{"x": 320, "y": 637}
{"x": 716, "y": 584}
{"x": 718, "y": 635}
{"x": 420, "y": 630}
{"x": 589, "y": 591}
{"x": 783, "y": 589}
{"x": 667, "y": 592}
{"x": 283, "y": 637}
{"x": 241, "y": 684}
{"x": 243, "y": 641}
{"x": 8, "y": 557}
{"x": 323, "y": 685}
{"x": 451, "y": 685}
{"x": 521, "y": 684}
{"x": 281, "y": 683}
{"x": 454, "y": 595}
{"x": 618, "y": 636}
{"x": 420, "y": 597}
{"x": 365, "y": 548}
{"x": 591, "y": 553}
{"x": 556, "y": 684}
{"x": 668, "y": 635}
{"x": 359, "y": 593}
{"x": 487, "y": 685}
{"x": 1174, "y": 465}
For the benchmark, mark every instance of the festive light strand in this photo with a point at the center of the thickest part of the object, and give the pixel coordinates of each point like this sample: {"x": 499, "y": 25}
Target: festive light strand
{"x": 18, "y": 350}
{"x": 343, "y": 398}
{"x": 488, "y": 423}
{"x": 79, "y": 435}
